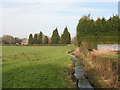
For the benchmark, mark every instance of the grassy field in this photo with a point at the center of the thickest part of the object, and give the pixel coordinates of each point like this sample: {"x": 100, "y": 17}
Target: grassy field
{"x": 112, "y": 56}
{"x": 36, "y": 67}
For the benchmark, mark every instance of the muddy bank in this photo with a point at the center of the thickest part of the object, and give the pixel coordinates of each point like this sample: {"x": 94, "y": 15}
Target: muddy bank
{"x": 101, "y": 72}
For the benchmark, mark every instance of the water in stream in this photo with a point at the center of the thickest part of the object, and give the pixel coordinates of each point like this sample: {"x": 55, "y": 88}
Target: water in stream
{"x": 79, "y": 74}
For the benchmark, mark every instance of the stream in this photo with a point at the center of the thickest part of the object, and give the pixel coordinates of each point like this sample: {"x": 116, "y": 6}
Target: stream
{"x": 79, "y": 74}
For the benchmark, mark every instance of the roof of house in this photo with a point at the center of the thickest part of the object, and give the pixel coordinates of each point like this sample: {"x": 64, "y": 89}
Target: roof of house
{"x": 25, "y": 40}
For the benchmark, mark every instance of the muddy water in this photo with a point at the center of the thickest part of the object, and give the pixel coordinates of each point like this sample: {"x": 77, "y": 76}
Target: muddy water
{"x": 79, "y": 74}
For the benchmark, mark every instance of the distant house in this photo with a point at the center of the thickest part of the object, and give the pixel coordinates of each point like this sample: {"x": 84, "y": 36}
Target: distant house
{"x": 24, "y": 41}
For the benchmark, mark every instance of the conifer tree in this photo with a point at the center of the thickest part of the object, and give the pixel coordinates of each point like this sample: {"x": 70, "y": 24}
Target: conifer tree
{"x": 40, "y": 38}
{"x": 55, "y": 37}
{"x": 30, "y": 41}
{"x": 101, "y": 30}
{"x": 65, "y": 37}
{"x": 35, "y": 39}
{"x": 45, "y": 41}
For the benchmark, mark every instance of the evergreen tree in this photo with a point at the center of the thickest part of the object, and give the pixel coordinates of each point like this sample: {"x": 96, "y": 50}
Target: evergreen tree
{"x": 82, "y": 29}
{"x": 65, "y": 38}
{"x": 45, "y": 41}
{"x": 30, "y": 42}
{"x": 55, "y": 37}
{"x": 91, "y": 27}
{"x": 98, "y": 27}
{"x": 112, "y": 26}
{"x": 40, "y": 38}
{"x": 35, "y": 39}
{"x": 101, "y": 30}
{"x": 115, "y": 26}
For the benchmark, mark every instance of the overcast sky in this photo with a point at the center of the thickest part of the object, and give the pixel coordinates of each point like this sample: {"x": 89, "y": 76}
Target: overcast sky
{"x": 19, "y": 18}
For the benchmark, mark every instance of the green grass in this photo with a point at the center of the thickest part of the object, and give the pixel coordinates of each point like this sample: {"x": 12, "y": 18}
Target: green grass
{"x": 36, "y": 67}
{"x": 112, "y": 56}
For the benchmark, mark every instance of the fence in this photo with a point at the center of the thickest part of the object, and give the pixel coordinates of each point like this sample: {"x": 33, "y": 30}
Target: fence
{"x": 40, "y": 45}
{"x": 110, "y": 47}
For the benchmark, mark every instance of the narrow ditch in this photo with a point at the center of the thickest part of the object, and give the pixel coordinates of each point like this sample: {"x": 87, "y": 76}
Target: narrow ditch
{"x": 79, "y": 74}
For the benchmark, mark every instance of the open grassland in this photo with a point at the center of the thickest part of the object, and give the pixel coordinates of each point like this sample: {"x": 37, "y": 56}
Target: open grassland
{"x": 36, "y": 67}
{"x": 112, "y": 56}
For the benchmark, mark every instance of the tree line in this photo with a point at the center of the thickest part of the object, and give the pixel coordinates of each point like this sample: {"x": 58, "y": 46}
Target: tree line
{"x": 8, "y": 39}
{"x": 55, "y": 38}
{"x": 100, "y": 30}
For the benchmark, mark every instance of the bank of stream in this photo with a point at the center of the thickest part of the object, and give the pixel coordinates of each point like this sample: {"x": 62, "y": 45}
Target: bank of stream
{"x": 79, "y": 74}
